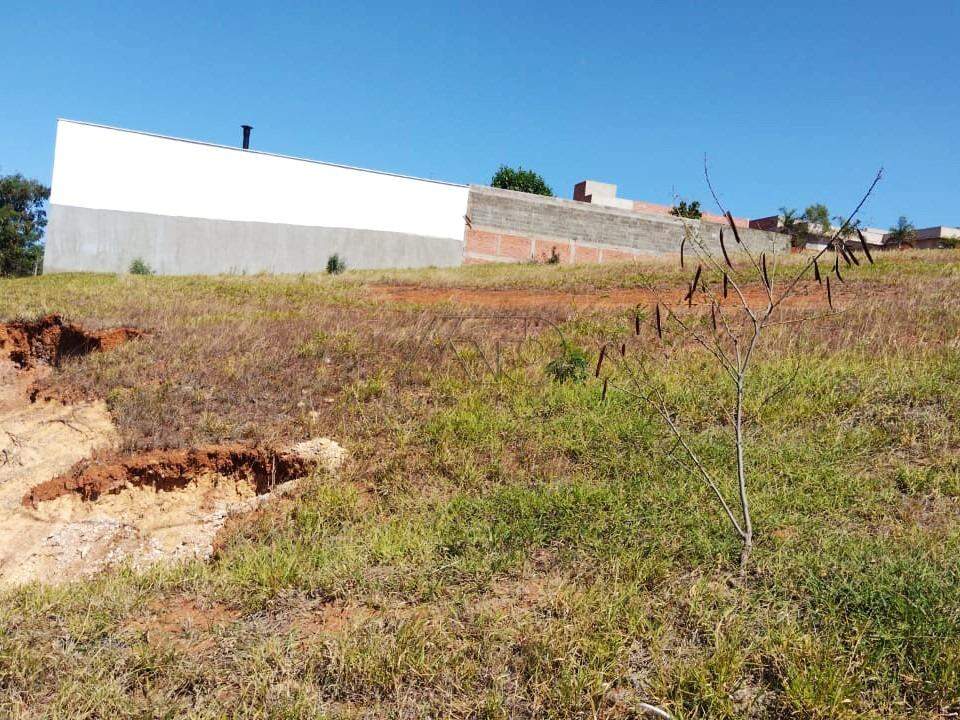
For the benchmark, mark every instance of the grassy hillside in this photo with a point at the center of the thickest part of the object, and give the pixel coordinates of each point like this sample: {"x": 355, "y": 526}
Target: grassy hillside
{"x": 504, "y": 545}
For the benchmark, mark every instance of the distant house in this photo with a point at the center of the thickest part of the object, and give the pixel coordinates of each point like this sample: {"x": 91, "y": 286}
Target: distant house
{"x": 605, "y": 194}
{"x": 877, "y": 238}
{"x": 936, "y": 237}
{"x": 600, "y": 193}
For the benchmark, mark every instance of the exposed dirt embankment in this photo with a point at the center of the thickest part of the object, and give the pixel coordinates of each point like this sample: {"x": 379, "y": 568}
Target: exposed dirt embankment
{"x": 169, "y": 470}
{"x": 144, "y": 508}
{"x": 49, "y": 340}
{"x": 71, "y": 506}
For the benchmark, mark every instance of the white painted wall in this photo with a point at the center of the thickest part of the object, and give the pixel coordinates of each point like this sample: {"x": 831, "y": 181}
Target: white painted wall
{"x": 104, "y": 168}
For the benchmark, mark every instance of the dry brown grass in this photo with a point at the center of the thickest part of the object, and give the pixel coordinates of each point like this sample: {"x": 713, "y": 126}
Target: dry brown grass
{"x": 509, "y": 546}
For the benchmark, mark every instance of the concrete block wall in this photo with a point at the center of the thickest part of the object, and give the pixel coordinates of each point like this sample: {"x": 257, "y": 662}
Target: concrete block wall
{"x": 507, "y": 226}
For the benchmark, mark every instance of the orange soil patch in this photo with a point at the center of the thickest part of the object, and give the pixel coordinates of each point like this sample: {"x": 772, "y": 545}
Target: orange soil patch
{"x": 179, "y": 620}
{"x": 49, "y": 340}
{"x": 329, "y": 617}
{"x": 165, "y": 470}
{"x": 806, "y": 295}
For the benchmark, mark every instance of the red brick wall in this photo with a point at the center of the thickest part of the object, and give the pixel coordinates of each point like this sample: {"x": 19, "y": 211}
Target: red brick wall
{"x": 490, "y": 246}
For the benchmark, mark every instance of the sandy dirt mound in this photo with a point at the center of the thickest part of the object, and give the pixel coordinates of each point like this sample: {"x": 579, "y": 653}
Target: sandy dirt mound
{"x": 158, "y": 505}
{"x": 40, "y": 441}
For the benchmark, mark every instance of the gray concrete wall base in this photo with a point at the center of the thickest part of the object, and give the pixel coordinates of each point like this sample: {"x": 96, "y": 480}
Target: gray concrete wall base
{"x": 82, "y": 239}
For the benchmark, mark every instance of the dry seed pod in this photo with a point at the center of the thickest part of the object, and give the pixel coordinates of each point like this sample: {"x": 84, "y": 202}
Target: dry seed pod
{"x": 816, "y": 272}
{"x": 657, "y": 319}
{"x": 836, "y": 269}
{"x": 623, "y": 349}
{"x": 829, "y": 294}
{"x": 603, "y": 395}
{"x": 636, "y": 323}
{"x": 726, "y": 283}
{"x": 724, "y": 249}
{"x": 693, "y": 285}
{"x": 733, "y": 226}
{"x": 603, "y": 354}
{"x": 763, "y": 265}
{"x": 682, "y": 243}
{"x": 841, "y": 248}
{"x": 863, "y": 244}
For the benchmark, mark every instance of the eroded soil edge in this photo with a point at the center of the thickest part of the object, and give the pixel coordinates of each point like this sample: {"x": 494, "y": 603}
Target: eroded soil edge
{"x": 70, "y": 505}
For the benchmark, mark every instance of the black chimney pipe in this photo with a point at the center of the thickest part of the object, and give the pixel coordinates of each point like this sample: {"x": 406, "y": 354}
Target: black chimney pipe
{"x": 246, "y": 136}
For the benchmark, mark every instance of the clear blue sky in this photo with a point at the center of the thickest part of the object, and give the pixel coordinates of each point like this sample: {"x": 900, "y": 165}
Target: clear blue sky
{"x": 792, "y": 104}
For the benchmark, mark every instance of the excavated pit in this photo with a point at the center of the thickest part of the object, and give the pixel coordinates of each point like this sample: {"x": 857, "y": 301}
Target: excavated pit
{"x": 71, "y": 506}
{"x": 139, "y": 509}
{"x": 50, "y": 340}
{"x": 171, "y": 470}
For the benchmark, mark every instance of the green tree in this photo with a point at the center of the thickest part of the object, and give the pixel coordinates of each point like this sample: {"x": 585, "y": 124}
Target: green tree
{"x": 903, "y": 233}
{"x": 687, "y": 210}
{"x": 848, "y": 230}
{"x": 527, "y": 181}
{"x": 23, "y": 217}
{"x": 818, "y": 214}
{"x": 794, "y": 226}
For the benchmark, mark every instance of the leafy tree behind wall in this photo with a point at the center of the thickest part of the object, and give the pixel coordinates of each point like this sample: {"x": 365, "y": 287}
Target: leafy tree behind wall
{"x": 818, "y": 215}
{"x": 795, "y": 226}
{"x": 527, "y": 181}
{"x": 848, "y": 230}
{"x": 903, "y": 233}
{"x": 23, "y": 217}
{"x": 687, "y": 210}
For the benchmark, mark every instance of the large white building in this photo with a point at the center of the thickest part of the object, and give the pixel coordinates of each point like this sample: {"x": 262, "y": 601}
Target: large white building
{"x": 192, "y": 207}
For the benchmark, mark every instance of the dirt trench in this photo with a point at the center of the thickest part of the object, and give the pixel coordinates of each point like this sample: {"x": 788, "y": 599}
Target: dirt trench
{"x": 138, "y": 509}
{"x": 50, "y": 340}
{"x": 171, "y": 470}
{"x": 71, "y": 506}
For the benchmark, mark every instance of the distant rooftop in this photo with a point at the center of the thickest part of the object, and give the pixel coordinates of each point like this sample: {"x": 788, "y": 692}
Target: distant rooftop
{"x": 601, "y": 193}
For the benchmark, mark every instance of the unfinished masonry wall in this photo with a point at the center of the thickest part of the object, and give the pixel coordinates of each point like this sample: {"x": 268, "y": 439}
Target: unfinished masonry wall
{"x": 507, "y": 226}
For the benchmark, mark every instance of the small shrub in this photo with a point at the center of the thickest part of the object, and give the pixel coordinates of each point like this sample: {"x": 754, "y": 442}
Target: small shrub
{"x": 528, "y": 181}
{"x": 687, "y": 210}
{"x": 572, "y": 366}
{"x": 139, "y": 267}
{"x": 336, "y": 264}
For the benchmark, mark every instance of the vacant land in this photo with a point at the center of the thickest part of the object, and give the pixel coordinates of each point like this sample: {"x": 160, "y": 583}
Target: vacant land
{"x": 500, "y": 544}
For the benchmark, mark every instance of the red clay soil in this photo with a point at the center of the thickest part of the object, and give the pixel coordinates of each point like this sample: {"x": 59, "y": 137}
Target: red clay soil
{"x": 49, "y": 340}
{"x": 807, "y": 295}
{"x": 170, "y": 470}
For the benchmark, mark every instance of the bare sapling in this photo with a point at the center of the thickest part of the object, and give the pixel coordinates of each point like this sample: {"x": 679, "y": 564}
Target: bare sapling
{"x": 736, "y": 292}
